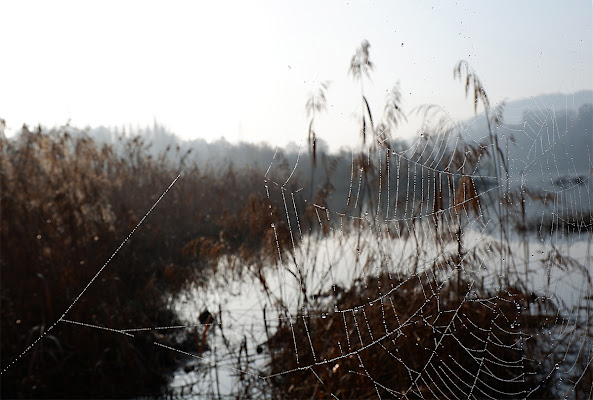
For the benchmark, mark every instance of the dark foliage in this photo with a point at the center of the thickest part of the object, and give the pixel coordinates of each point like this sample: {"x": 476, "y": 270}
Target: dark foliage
{"x": 66, "y": 205}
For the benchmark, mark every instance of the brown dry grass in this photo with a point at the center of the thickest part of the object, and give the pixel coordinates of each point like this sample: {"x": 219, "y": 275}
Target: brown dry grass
{"x": 413, "y": 339}
{"x": 67, "y": 203}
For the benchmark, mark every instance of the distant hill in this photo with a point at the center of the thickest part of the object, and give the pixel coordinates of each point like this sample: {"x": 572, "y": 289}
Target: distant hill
{"x": 550, "y": 132}
{"x": 543, "y": 126}
{"x": 552, "y": 150}
{"x": 541, "y": 106}
{"x": 543, "y": 103}
{"x": 549, "y": 137}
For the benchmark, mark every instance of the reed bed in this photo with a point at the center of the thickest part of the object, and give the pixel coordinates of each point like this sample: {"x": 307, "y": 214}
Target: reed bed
{"x": 67, "y": 204}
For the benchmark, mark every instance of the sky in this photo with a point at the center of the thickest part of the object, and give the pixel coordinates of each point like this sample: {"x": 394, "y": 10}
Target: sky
{"x": 243, "y": 70}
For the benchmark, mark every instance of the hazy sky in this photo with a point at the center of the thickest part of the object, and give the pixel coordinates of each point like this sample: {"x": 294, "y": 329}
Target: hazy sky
{"x": 244, "y": 69}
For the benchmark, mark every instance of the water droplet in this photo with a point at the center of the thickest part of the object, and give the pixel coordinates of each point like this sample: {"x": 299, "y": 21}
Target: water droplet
{"x": 402, "y": 45}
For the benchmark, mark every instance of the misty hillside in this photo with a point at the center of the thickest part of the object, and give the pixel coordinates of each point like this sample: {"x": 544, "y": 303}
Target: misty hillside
{"x": 541, "y": 126}
{"x": 551, "y": 130}
{"x": 544, "y": 140}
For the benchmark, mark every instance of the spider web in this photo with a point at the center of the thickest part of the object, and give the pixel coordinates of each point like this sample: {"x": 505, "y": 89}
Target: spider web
{"x": 439, "y": 227}
{"x": 534, "y": 242}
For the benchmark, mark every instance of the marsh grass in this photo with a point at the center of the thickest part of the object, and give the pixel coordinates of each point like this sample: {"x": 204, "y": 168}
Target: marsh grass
{"x": 423, "y": 340}
{"x": 67, "y": 204}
